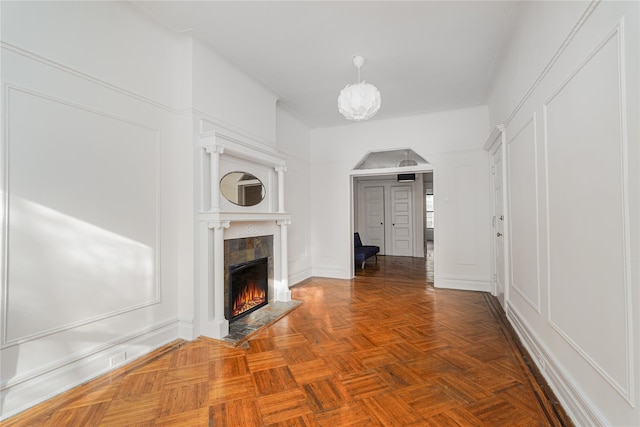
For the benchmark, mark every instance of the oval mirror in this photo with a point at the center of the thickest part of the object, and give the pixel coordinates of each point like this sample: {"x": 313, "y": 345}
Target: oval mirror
{"x": 242, "y": 188}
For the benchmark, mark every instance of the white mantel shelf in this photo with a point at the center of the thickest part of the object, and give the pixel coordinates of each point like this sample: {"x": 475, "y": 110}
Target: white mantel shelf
{"x": 243, "y": 216}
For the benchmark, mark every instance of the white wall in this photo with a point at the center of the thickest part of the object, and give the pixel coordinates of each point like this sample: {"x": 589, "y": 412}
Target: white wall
{"x": 293, "y": 142}
{"x": 105, "y": 106}
{"x": 227, "y": 96}
{"x": 95, "y": 163}
{"x": 567, "y": 89}
{"x": 452, "y": 141}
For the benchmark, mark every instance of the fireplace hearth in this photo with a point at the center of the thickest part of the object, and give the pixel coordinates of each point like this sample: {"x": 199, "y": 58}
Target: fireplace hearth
{"x": 248, "y": 288}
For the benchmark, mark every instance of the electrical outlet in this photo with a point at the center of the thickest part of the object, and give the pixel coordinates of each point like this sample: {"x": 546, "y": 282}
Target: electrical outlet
{"x": 118, "y": 359}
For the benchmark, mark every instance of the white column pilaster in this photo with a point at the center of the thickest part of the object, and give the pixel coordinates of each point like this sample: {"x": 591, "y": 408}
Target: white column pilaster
{"x": 283, "y": 293}
{"x": 216, "y": 313}
{"x": 281, "y": 170}
{"x": 214, "y": 152}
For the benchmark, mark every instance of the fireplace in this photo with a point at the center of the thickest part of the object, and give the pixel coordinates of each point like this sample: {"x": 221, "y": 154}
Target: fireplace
{"x": 248, "y": 288}
{"x": 229, "y": 235}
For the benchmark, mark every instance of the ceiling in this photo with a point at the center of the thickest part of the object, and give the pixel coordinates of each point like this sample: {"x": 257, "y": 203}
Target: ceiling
{"x": 423, "y": 56}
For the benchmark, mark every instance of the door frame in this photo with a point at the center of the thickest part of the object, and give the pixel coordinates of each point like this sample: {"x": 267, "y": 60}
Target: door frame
{"x": 381, "y": 172}
{"x": 498, "y": 141}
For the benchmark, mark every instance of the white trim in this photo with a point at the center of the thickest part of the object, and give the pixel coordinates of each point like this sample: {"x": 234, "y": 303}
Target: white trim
{"x": 391, "y": 171}
{"x": 466, "y": 283}
{"x": 70, "y": 70}
{"x": 186, "y": 329}
{"x": 498, "y": 141}
{"x": 301, "y": 276}
{"x": 627, "y": 391}
{"x": 331, "y": 273}
{"x": 205, "y": 117}
{"x": 39, "y": 385}
{"x": 4, "y": 332}
{"x": 631, "y": 357}
{"x": 494, "y": 141}
{"x": 578, "y": 407}
{"x": 241, "y": 147}
{"x": 233, "y": 132}
{"x": 563, "y": 46}
{"x": 535, "y": 305}
{"x": 211, "y": 225}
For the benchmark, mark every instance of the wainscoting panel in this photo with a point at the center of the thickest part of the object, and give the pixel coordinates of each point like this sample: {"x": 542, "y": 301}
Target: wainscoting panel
{"x": 91, "y": 188}
{"x": 83, "y": 215}
{"x": 523, "y": 213}
{"x": 22, "y": 391}
{"x": 577, "y": 406}
{"x": 587, "y": 211}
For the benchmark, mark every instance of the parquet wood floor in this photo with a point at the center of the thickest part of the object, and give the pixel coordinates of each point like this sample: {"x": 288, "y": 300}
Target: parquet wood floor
{"x": 383, "y": 349}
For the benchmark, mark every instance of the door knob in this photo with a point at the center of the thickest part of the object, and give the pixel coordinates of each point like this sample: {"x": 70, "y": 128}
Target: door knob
{"x": 499, "y": 234}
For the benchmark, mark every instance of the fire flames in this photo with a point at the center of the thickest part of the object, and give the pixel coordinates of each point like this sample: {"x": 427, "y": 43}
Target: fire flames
{"x": 251, "y": 296}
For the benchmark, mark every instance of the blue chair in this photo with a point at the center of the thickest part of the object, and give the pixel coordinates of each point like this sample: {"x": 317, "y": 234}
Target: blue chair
{"x": 363, "y": 252}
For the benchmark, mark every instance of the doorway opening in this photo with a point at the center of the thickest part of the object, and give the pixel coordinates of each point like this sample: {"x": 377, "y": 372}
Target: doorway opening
{"x": 390, "y": 191}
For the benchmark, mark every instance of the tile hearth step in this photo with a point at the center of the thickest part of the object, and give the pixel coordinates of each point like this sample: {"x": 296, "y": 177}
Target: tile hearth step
{"x": 242, "y": 328}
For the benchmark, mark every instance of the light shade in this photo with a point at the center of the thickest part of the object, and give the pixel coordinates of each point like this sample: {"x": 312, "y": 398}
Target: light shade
{"x": 359, "y": 101}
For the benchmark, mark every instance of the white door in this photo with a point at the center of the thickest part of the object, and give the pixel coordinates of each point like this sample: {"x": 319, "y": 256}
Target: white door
{"x": 401, "y": 220}
{"x": 498, "y": 222}
{"x": 374, "y": 217}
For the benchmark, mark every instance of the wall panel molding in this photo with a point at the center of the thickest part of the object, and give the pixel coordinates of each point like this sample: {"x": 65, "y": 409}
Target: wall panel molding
{"x": 203, "y": 126}
{"x": 77, "y": 73}
{"x": 530, "y": 129}
{"x": 10, "y": 91}
{"x": 41, "y": 384}
{"x": 563, "y": 46}
{"x": 612, "y": 161}
{"x": 578, "y": 406}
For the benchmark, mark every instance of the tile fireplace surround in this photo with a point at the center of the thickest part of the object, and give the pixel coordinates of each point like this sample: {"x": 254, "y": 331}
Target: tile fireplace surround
{"x": 228, "y": 234}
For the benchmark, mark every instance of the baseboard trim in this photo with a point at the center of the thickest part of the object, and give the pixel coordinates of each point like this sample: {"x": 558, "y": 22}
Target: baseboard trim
{"x": 186, "y": 329}
{"x": 331, "y": 273}
{"x": 462, "y": 283}
{"x": 576, "y": 406}
{"x": 297, "y": 278}
{"x": 33, "y": 388}
{"x": 302, "y": 282}
{"x": 552, "y": 408}
{"x": 81, "y": 390}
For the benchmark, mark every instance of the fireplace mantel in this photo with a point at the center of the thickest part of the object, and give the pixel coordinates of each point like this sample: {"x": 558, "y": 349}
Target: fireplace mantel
{"x": 218, "y": 220}
{"x": 242, "y": 216}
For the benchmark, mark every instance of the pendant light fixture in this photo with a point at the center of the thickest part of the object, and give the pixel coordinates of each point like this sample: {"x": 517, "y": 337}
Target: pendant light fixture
{"x": 359, "y": 101}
